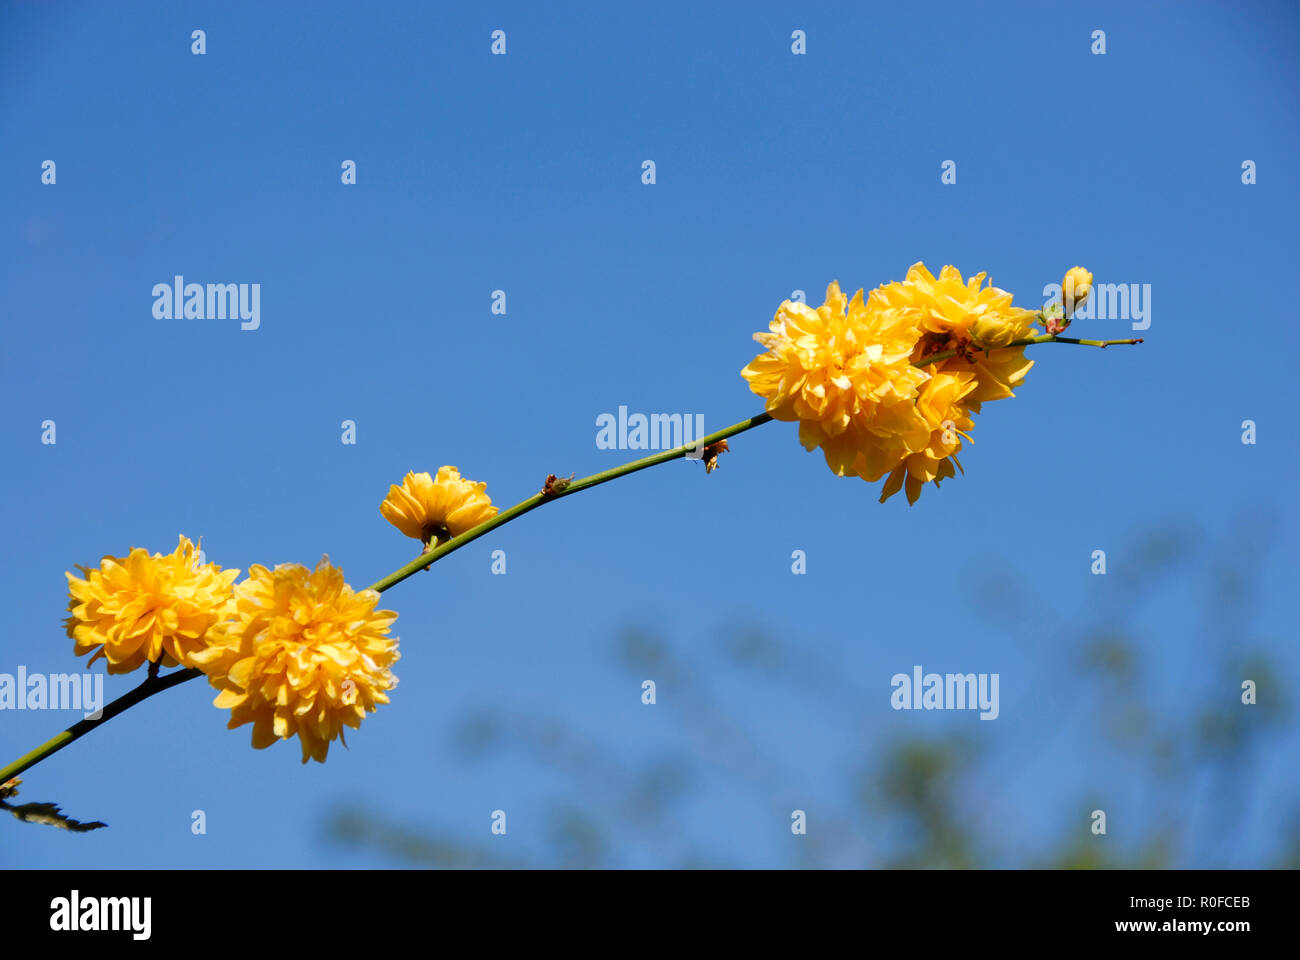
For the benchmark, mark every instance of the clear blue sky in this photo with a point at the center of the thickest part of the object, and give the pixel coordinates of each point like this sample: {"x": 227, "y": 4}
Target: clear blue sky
{"x": 522, "y": 172}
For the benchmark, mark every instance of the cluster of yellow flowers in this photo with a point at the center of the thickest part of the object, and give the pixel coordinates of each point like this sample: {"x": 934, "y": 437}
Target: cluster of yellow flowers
{"x": 856, "y": 376}
{"x": 293, "y": 651}
{"x": 885, "y": 385}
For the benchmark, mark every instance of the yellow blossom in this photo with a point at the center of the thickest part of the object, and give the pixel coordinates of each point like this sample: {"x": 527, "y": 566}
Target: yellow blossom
{"x": 433, "y": 510}
{"x": 1075, "y": 288}
{"x": 859, "y": 378}
{"x": 975, "y": 322}
{"x": 844, "y": 372}
{"x": 944, "y": 404}
{"x": 994, "y": 331}
{"x": 303, "y": 654}
{"x": 947, "y": 309}
{"x": 141, "y": 608}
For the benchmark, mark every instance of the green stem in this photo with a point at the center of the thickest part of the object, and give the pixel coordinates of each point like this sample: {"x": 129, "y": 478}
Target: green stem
{"x": 1028, "y": 342}
{"x": 557, "y": 491}
{"x": 79, "y": 729}
{"x": 560, "y": 490}
{"x": 157, "y": 684}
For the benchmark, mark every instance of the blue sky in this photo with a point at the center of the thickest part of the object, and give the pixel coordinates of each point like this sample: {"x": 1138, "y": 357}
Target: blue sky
{"x": 522, "y": 172}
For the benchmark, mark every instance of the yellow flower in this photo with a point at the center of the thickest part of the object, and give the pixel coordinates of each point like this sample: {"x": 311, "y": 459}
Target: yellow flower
{"x": 976, "y": 322}
{"x": 141, "y": 608}
{"x": 434, "y": 510}
{"x": 303, "y": 654}
{"x": 945, "y": 406}
{"x": 948, "y": 310}
{"x": 844, "y": 372}
{"x": 948, "y": 305}
{"x": 994, "y": 331}
{"x": 1075, "y": 288}
{"x": 857, "y": 376}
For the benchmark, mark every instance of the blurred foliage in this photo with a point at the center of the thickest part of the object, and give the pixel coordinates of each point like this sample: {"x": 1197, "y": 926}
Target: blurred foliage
{"x": 42, "y": 812}
{"x": 910, "y": 802}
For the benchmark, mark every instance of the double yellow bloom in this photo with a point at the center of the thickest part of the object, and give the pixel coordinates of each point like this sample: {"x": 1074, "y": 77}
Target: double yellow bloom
{"x": 141, "y": 608}
{"x": 294, "y": 652}
{"x": 847, "y": 373}
{"x": 302, "y": 653}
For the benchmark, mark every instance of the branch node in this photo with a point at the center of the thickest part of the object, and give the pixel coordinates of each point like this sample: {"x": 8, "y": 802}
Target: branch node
{"x": 711, "y": 453}
{"x": 555, "y": 486}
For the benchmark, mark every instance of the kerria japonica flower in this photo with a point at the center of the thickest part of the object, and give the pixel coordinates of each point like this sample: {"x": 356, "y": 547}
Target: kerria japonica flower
{"x": 303, "y": 654}
{"x": 858, "y": 379}
{"x": 145, "y": 608}
{"x": 435, "y": 509}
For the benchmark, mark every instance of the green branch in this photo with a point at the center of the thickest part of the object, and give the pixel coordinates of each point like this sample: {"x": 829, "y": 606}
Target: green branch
{"x": 79, "y": 729}
{"x": 558, "y": 490}
{"x": 1026, "y": 342}
{"x": 554, "y": 490}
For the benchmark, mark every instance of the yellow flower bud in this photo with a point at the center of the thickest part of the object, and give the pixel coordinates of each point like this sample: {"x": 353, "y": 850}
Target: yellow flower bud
{"x": 994, "y": 330}
{"x": 1075, "y": 288}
